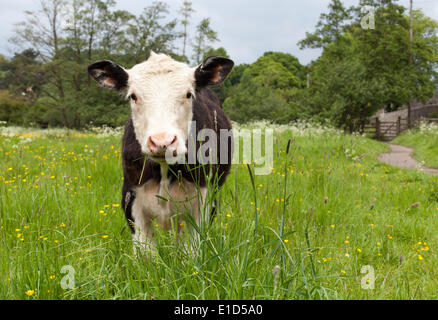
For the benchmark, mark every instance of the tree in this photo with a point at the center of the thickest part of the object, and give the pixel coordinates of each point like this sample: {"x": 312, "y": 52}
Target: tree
{"x": 342, "y": 91}
{"x": 329, "y": 26}
{"x": 50, "y": 80}
{"x": 147, "y": 32}
{"x": 267, "y": 89}
{"x": 291, "y": 63}
{"x": 113, "y": 28}
{"x": 43, "y": 30}
{"x": 385, "y": 51}
{"x": 361, "y": 71}
{"x": 205, "y": 35}
{"x": 23, "y": 73}
{"x": 186, "y": 12}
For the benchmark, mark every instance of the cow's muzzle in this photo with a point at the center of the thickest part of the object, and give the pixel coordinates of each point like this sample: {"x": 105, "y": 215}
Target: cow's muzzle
{"x": 160, "y": 144}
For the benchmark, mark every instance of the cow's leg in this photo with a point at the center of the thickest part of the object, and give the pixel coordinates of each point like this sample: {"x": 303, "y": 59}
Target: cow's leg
{"x": 143, "y": 231}
{"x": 183, "y": 200}
{"x": 199, "y": 211}
{"x": 128, "y": 197}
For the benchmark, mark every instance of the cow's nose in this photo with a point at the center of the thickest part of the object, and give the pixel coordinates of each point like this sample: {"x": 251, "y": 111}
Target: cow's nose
{"x": 159, "y": 143}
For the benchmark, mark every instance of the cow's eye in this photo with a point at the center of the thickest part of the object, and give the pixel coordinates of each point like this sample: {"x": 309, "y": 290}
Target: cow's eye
{"x": 189, "y": 95}
{"x": 133, "y": 97}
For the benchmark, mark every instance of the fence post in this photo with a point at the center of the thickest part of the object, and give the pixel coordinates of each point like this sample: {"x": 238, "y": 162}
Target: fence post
{"x": 398, "y": 126}
{"x": 377, "y": 128}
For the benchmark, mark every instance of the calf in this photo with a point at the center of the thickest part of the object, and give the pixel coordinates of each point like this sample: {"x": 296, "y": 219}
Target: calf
{"x": 170, "y": 105}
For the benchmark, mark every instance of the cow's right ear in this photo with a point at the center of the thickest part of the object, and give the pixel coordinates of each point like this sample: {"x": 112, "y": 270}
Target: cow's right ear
{"x": 109, "y": 74}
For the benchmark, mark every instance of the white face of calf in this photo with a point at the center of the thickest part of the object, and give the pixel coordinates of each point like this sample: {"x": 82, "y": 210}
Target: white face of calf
{"x": 161, "y": 93}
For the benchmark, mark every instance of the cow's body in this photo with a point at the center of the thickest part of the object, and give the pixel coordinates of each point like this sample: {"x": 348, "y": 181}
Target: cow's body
{"x": 142, "y": 180}
{"x": 170, "y": 104}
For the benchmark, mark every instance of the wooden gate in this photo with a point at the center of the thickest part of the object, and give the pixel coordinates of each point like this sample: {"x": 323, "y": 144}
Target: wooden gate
{"x": 386, "y": 130}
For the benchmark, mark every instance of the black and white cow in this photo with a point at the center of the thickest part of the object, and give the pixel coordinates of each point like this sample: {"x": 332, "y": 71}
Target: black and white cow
{"x": 167, "y": 98}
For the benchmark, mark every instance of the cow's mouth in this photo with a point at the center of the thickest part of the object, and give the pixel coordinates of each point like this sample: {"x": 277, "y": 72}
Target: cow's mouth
{"x": 162, "y": 157}
{"x": 157, "y": 157}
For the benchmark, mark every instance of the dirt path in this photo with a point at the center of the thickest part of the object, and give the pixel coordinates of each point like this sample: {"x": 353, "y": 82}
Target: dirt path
{"x": 401, "y": 157}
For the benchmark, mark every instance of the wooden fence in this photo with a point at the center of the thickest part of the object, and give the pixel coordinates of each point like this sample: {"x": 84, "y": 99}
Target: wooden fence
{"x": 386, "y": 130}
{"x": 430, "y": 120}
{"x": 389, "y": 130}
{"x": 424, "y": 112}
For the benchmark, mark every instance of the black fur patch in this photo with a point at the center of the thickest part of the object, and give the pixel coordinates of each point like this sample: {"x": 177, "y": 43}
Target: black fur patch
{"x": 127, "y": 202}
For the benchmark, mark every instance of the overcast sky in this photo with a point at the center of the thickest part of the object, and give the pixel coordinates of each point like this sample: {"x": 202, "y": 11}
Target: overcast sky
{"x": 246, "y": 28}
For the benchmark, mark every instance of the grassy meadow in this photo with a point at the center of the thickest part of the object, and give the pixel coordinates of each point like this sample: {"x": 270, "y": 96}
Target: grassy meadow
{"x": 306, "y": 231}
{"x": 424, "y": 139}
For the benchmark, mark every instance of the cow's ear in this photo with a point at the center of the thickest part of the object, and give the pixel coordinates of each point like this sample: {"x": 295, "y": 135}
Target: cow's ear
{"x": 109, "y": 74}
{"x": 213, "y": 71}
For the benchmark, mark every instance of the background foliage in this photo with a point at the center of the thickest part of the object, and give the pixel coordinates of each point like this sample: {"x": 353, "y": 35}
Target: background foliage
{"x": 360, "y": 70}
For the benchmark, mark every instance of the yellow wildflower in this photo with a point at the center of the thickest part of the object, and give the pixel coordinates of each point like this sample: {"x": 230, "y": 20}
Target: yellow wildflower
{"x": 30, "y": 292}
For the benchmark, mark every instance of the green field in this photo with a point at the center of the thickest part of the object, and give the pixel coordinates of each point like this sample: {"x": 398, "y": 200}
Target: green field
{"x": 341, "y": 211}
{"x": 425, "y": 141}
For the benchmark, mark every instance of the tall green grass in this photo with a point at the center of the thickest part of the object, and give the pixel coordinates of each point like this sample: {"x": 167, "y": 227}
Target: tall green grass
{"x": 303, "y": 232}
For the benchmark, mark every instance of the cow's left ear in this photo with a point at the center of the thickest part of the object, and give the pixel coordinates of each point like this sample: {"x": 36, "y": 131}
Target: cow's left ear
{"x": 213, "y": 71}
{"x": 109, "y": 74}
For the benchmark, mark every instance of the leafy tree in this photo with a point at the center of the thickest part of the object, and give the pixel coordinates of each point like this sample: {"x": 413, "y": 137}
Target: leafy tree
{"x": 186, "y": 12}
{"x": 234, "y": 79}
{"x": 12, "y": 109}
{"x": 291, "y": 63}
{"x": 266, "y": 90}
{"x": 113, "y": 27}
{"x": 43, "y": 30}
{"x": 66, "y": 35}
{"x": 220, "y": 52}
{"x": 385, "y": 51}
{"x": 361, "y": 70}
{"x": 147, "y": 33}
{"x": 205, "y": 35}
{"x": 329, "y": 26}
{"x": 23, "y": 73}
{"x": 341, "y": 90}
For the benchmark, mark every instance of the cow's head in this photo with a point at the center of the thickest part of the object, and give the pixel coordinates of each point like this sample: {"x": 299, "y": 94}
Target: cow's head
{"x": 161, "y": 92}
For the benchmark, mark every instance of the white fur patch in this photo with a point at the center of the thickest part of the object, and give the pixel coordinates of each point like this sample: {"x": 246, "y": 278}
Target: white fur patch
{"x": 147, "y": 208}
{"x": 161, "y": 85}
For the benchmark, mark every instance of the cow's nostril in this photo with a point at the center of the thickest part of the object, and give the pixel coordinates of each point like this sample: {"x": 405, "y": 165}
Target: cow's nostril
{"x": 151, "y": 144}
{"x": 175, "y": 139}
{"x": 160, "y": 143}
